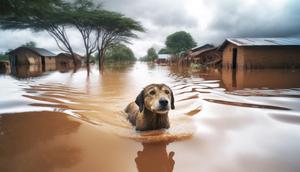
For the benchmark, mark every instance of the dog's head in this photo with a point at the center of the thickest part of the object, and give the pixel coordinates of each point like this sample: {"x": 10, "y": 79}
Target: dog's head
{"x": 157, "y": 98}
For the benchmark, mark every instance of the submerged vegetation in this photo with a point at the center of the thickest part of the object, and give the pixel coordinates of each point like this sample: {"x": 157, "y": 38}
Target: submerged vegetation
{"x": 4, "y": 57}
{"x": 151, "y": 55}
{"x": 119, "y": 53}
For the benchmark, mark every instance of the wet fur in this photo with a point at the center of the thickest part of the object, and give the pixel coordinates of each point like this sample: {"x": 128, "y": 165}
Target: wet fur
{"x": 143, "y": 118}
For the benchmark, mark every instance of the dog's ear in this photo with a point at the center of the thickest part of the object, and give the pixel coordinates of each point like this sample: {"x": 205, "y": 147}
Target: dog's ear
{"x": 172, "y": 100}
{"x": 140, "y": 100}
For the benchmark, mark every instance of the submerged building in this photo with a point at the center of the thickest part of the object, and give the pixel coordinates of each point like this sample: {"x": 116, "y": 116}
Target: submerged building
{"x": 65, "y": 60}
{"x": 206, "y": 55}
{"x": 33, "y": 56}
{"x": 261, "y": 53}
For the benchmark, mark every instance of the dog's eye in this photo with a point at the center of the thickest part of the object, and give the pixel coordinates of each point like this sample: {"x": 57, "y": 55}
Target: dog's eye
{"x": 152, "y": 92}
{"x": 167, "y": 91}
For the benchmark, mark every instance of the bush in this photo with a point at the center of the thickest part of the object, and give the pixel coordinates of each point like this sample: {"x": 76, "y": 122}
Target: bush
{"x": 4, "y": 57}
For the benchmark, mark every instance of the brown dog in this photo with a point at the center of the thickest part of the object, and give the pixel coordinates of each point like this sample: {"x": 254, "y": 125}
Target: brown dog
{"x": 151, "y": 107}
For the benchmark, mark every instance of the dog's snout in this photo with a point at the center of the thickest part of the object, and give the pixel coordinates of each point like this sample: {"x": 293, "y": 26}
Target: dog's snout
{"x": 163, "y": 102}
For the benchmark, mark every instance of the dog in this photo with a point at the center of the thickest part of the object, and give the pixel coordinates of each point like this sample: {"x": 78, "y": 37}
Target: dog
{"x": 150, "y": 109}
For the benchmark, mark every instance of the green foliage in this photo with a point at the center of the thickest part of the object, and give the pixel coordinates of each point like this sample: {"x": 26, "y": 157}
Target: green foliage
{"x": 119, "y": 52}
{"x": 151, "y": 55}
{"x": 195, "y": 66}
{"x": 180, "y": 41}
{"x": 4, "y": 57}
{"x": 22, "y": 14}
{"x": 164, "y": 51}
{"x": 29, "y": 44}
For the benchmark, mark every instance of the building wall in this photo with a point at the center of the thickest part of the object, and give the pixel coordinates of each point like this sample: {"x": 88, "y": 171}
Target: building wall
{"x": 227, "y": 56}
{"x": 272, "y": 57}
{"x": 262, "y": 56}
{"x": 50, "y": 64}
{"x": 26, "y": 57}
{"x": 50, "y": 60}
{"x": 64, "y": 61}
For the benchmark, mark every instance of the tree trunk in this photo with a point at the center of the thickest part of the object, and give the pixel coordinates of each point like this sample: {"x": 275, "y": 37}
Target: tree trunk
{"x": 87, "y": 62}
{"x": 74, "y": 58}
{"x": 101, "y": 59}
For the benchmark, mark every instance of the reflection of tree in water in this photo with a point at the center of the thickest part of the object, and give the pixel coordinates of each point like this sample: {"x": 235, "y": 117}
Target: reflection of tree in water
{"x": 26, "y": 71}
{"x": 118, "y": 66}
{"x": 27, "y": 141}
{"x": 154, "y": 157}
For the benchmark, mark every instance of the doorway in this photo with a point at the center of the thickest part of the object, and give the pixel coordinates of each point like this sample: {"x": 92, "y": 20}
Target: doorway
{"x": 43, "y": 64}
{"x": 234, "y": 58}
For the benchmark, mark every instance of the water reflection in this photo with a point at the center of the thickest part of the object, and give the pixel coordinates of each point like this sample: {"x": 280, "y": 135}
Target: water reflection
{"x": 36, "y": 141}
{"x": 154, "y": 157}
{"x": 28, "y": 71}
{"x": 267, "y": 78}
{"x": 240, "y": 121}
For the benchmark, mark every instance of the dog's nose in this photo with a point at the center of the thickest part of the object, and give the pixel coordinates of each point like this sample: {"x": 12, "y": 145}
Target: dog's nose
{"x": 163, "y": 102}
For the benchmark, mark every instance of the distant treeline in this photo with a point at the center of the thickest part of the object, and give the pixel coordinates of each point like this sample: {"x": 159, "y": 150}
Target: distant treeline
{"x": 175, "y": 43}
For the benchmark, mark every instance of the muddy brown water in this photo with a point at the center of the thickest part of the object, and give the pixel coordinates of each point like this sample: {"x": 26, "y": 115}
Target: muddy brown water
{"x": 224, "y": 121}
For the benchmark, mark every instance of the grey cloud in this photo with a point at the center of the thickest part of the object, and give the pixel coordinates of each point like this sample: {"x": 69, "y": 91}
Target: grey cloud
{"x": 161, "y": 13}
{"x": 259, "y": 20}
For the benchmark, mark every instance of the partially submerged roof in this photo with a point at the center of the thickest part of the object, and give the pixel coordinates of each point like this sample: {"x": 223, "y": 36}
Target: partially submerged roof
{"x": 164, "y": 56}
{"x": 261, "y": 42}
{"x": 206, "y": 46}
{"x": 39, "y": 51}
{"x": 200, "y": 51}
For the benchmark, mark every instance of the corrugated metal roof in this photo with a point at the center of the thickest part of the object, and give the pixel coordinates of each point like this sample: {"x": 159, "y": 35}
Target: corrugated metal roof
{"x": 42, "y": 52}
{"x": 265, "y": 41}
{"x": 164, "y": 56}
{"x": 202, "y": 51}
{"x": 202, "y": 47}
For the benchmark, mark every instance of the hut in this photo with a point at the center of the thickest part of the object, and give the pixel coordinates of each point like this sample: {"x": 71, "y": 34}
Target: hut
{"x": 4, "y": 67}
{"x": 33, "y": 56}
{"x": 163, "y": 58}
{"x": 65, "y": 60}
{"x": 206, "y": 55}
{"x": 260, "y": 53}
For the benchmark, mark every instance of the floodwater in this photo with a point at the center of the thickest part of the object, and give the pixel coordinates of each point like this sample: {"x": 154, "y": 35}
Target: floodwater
{"x": 223, "y": 121}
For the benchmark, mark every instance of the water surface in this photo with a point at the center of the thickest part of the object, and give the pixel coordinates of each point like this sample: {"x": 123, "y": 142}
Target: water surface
{"x": 224, "y": 120}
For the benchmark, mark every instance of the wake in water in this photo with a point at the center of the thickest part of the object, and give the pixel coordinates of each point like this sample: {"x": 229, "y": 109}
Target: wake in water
{"x": 100, "y": 112}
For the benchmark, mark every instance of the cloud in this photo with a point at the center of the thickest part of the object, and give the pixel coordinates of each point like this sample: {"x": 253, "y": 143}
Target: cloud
{"x": 159, "y": 13}
{"x": 273, "y": 18}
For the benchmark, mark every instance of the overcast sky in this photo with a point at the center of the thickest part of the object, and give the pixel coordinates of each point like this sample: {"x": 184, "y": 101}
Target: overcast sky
{"x": 208, "y": 21}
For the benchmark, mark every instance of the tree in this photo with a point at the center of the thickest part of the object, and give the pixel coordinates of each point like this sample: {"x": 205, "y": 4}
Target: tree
{"x": 151, "y": 54}
{"x": 114, "y": 28}
{"x": 119, "y": 52}
{"x": 29, "y": 44}
{"x": 39, "y": 15}
{"x": 164, "y": 51}
{"x": 82, "y": 15}
{"x": 180, "y": 41}
{"x": 99, "y": 29}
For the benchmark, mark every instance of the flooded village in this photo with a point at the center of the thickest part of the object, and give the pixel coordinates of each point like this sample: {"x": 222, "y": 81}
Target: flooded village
{"x": 69, "y": 70}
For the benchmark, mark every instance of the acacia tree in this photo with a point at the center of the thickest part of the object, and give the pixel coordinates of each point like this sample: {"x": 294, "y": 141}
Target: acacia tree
{"x": 113, "y": 28}
{"x": 99, "y": 29}
{"x": 83, "y": 16}
{"x": 39, "y": 15}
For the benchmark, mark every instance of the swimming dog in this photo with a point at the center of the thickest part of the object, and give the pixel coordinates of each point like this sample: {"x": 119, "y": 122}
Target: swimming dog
{"x": 150, "y": 109}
